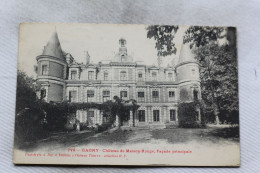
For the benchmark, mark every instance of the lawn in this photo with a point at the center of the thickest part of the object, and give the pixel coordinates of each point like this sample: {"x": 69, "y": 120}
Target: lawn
{"x": 211, "y": 135}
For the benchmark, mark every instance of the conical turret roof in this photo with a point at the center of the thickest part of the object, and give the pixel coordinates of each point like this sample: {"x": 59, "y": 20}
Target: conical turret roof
{"x": 186, "y": 54}
{"x": 53, "y": 47}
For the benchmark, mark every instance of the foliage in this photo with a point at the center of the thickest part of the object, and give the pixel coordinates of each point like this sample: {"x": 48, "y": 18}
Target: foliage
{"x": 25, "y": 87}
{"x": 187, "y": 114}
{"x": 163, "y": 35}
{"x": 201, "y": 36}
{"x": 218, "y": 68}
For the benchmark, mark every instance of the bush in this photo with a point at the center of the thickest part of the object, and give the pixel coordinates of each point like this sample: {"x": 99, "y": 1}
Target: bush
{"x": 29, "y": 126}
{"x": 187, "y": 115}
{"x": 103, "y": 127}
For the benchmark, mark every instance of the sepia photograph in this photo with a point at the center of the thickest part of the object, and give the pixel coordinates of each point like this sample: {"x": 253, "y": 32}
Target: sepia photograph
{"x": 127, "y": 94}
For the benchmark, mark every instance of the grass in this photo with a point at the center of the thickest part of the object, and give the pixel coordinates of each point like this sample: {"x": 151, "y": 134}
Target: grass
{"x": 211, "y": 134}
{"x": 115, "y": 137}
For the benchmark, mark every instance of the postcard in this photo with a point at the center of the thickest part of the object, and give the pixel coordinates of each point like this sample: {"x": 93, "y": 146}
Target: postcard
{"x": 125, "y": 94}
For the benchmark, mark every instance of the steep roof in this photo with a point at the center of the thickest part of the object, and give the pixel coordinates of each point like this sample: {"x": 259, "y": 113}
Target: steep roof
{"x": 186, "y": 54}
{"x": 53, "y": 47}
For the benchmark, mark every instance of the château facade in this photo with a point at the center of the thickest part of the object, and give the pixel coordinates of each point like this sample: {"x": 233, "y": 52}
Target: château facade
{"x": 157, "y": 90}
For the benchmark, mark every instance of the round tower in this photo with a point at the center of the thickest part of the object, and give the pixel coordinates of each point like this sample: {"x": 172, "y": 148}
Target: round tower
{"x": 188, "y": 76}
{"x": 51, "y": 71}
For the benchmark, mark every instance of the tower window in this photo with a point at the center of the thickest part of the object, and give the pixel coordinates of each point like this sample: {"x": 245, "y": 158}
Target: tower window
{"x": 73, "y": 74}
{"x": 90, "y": 75}
{"x": 195, "y": 94}
{"x": 193, "y": 71}
{"x": 106, "y": 76}
{"x": 155, "y": 96}
{"x": 43, "y": 93}
{"x": 172, "y": 115}
{"x": 44, "y": 70}
{"x": 140, "y": 96}
{"x": 156, "y": 115}
{"x": 122, "y": 75}
{"x": 106, "y": 95}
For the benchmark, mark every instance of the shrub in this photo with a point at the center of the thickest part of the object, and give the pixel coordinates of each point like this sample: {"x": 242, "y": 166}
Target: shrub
{"x": 188, "y": 115}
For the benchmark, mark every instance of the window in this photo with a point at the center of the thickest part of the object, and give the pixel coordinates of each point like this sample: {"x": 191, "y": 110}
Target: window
{"x": 172, "y": 115}
{"x": 140, "y": 96}
{"x": 123, "y": 58}
{"x": 43, "y": 93}
{"x": 90, "y": 95}
{"x": 73, "y": 74}
{"x": 171, "y": 94}
{"x": 154, "y": 76}
{"x": 193, "y": 71}
{"x": 122, "y": 75}
{"x": 141, "y": 115}
{"x": 195, "y": 94}
{"x": 155, "y": 96}
{"x": 106, "y": 95}
{"x": 123, "y": 94}
{"x": 106, "y": 76}
{"x": 72, "y": 96}
{"x": 156, "y": 115}
{"x": 44, "y": 70}
{"x": 90, "y": 113}
{"x": 140, "y": 76}
{"x": 170, "y": 76}
{"x": 90, "y": 75}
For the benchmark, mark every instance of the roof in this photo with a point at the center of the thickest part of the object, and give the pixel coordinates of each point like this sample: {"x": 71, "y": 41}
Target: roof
{"x": 53, "y": 47}
{"x": 186, "y": 54}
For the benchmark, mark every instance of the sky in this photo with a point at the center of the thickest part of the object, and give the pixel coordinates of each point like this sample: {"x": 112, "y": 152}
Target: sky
{"x": 100, "y": 40}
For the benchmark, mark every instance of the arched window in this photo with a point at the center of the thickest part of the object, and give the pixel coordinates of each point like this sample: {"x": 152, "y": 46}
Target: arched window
{"x": 123, "y": 75}
{"x": 105, "y": 75}
{"x": 43, "y": 93}
{"x": 123, "y": 58}
{"x": 195, "y": 94}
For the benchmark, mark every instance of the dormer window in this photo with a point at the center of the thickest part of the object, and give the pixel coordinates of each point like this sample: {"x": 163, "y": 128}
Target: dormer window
{"x": 122, "y": 75}
{"x": 140, "y": 76}
{"x": 106, "y": 76}
{"x": 91, "y": 75}
{"x": 154, "y": 76}
{"x": 123, "y": 58}
{"x": 73, "y": 75}
{"x": 170, "y": 76}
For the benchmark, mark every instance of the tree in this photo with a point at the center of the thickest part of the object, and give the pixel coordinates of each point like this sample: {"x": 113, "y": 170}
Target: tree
{"x": 163, "y": 35}
{"x": 218, "y": 66}
{"x": 218, "y": 63}
{"x": 201, "y": 36}
{"x": 25, "y": 94}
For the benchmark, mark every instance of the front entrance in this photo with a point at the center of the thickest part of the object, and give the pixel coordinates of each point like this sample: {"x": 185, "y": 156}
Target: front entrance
{"x": 125, "y": 118}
